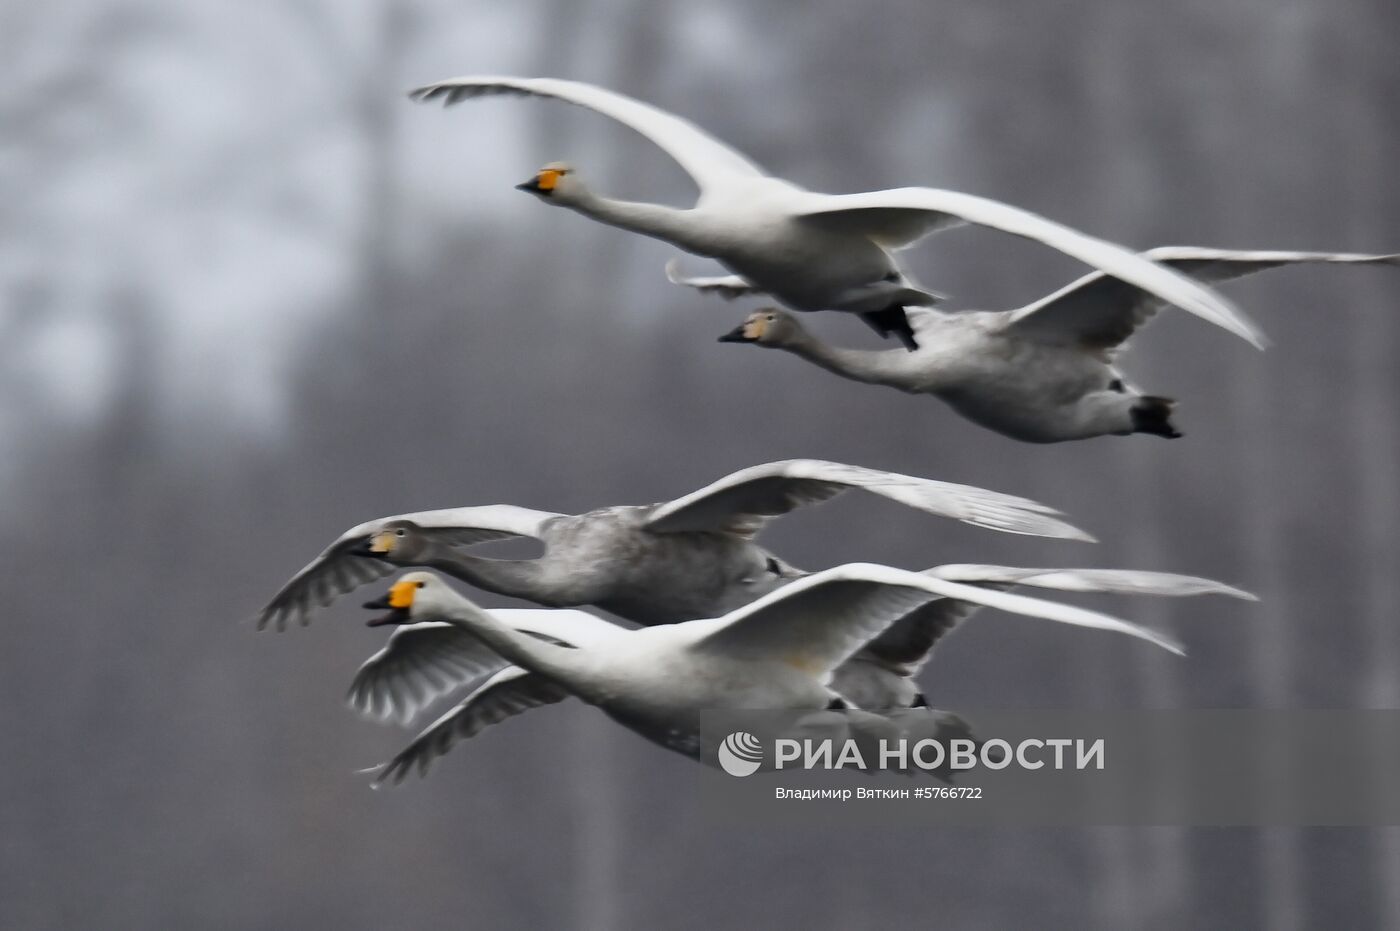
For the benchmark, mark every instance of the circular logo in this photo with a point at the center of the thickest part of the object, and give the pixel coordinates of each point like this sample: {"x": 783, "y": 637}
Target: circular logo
{"x": 741, "y": 754}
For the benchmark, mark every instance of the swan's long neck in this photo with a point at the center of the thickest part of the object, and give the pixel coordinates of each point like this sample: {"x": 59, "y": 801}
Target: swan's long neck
{"x": 658, "y": 221}
{"x": 867, "y": 365}
{"x": 557, "y": 662}
{"x": 514, "y": 578}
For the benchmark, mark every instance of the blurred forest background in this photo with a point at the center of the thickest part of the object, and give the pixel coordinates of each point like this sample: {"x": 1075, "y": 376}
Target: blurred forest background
{"x": 252, "y": 295}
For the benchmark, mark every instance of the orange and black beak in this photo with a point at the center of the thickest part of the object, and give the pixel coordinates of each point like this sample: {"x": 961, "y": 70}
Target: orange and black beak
{"x": 542, "y": 183}
{"x": 398, "y": 600}
{"x": 394, "y": 617}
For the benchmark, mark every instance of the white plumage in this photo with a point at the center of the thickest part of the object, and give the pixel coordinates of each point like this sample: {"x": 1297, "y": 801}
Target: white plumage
{"x": 778, "y": 653}
{"x": 399, "y": 680}
{"x": 810, "y": 251}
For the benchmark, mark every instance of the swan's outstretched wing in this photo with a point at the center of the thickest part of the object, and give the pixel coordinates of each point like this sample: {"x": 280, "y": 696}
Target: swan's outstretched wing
{"x": 881, "y": 675}
{"x": 1101, "y": 312}
{"x": 1120, "y": 581}
{"x": 710, "y": 162}
{"x": 908, "y": 643}
{"x": 878, "y": 676}
{"x": 728, "y": 287}
{"x": 422, "y": 662}
{"x": 899, "y": 217}
{"x": 509, "y": 692}
{"x": 819, "y": 622}
{"x": 339, "y": 569}
{"x": 742, "y": 502}
{"x": 418, "y": 664}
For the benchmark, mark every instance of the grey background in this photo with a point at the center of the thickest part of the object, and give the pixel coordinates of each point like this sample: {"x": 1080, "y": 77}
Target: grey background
{"x": 253, "y": 296}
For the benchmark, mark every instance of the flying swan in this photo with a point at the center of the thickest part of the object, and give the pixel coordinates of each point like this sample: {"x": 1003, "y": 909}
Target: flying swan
{"x": 422, "y": 662}
{"x": 656, "y": 564}
{"x": 778, "y": 653}
{"x": 810, "y": 251}
{"x": 1044, "y": 373}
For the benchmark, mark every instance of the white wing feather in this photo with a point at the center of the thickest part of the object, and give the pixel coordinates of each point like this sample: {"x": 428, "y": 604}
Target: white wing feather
{"x": 707, "y": 160}
{"x": 744, "y": 501}
{"x": 819, "y": 622}
{"x": 729, "y": 287}
{"x": 879, "y": 676}
{"x": 422, "y": 662}
{"x": 1100, "y": 311}
{"x": 418, "y": 664}
{"x": 1121, "y": 581}
{"x": 509, "y": 692}
{"x": 902, "y": 215}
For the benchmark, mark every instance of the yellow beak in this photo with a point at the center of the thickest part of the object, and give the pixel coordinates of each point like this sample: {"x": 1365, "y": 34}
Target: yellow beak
{"x": 401, "y": 594}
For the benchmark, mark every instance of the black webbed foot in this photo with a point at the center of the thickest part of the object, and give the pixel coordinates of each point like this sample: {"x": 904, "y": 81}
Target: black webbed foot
{"x": 892, "y": 321}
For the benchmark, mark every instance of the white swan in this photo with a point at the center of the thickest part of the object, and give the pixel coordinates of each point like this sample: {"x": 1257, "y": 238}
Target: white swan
{"x": 657, "y": 564}
{"x": 422, "y": 662}
{"x": 810, "y": 251}
{"x": 1044, "y": 373}
{"x": 778, "y": 653}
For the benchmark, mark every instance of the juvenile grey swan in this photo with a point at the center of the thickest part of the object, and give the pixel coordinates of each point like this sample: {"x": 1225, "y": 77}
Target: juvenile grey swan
{"x": 777, "y": 653}
{"x": 422, "y": 662}
{"x": 655, "y": 564}
{"x": 1044, "y": 373}
{"x": 809, "y": 251}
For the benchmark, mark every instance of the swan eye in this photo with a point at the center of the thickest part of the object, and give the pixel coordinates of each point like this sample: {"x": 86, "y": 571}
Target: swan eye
{"x": 400, "y": 532}
{"x": 421, "y": 584}
{"x": 771, "y": 317}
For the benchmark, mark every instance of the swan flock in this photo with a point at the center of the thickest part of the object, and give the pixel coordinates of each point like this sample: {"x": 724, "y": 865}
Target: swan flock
{"x": 705, "y": 616}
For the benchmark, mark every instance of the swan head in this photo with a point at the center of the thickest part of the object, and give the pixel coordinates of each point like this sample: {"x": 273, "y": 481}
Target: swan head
{"x": 399, "y": 541}
{"x": 416, "y": 596}
{"x": 555, "y": 183}
{"x": 767, "y": 327}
